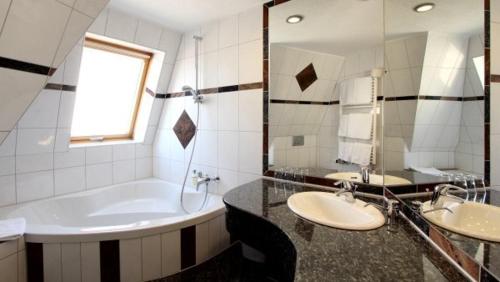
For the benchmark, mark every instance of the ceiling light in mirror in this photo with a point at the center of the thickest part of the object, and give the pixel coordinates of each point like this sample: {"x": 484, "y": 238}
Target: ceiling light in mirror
{"x": 294, "y": 19}
{"x": 424, "y": 7}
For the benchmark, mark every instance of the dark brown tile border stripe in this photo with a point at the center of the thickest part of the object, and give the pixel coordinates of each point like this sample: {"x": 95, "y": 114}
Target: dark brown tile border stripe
{"x": 473, "y": 98}
{"x": 440, "y": 98}
{"x": 63, "y": 87}
{"x": 278, "y": 101}
{"x": 188, "y": 246}
{"x": 214, "y": 90}
{"x": 495, "y": 78}
{"x": 109, "y": 254}
{"x": 401, "y": 98}
{"x": 25, "y": 66}
{"x": 34, "y": 261}
{"x": 303, "y": 102}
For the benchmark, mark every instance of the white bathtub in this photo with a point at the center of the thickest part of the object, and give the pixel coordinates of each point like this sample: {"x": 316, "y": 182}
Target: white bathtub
{"x": 129, "y": 210}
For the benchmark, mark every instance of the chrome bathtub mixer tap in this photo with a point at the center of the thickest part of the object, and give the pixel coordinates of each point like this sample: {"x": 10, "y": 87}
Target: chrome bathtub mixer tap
{"x": 198, "y": 179}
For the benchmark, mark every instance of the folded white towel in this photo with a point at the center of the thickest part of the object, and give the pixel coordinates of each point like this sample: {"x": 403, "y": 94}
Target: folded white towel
{"x": 343, "y": 92}
{"x": 361, "y": 153}
{"x": 11, "y": 229}
{"x": 343, "y": 125}
{"x": 345, "y": 150}
{"x": 360, "y": 126}
{"x": 362, "y": 92}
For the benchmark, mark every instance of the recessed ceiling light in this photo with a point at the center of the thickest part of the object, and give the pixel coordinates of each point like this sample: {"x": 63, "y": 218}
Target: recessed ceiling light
{"x": 294, "y": 19}
{"x": 424, "y": 7}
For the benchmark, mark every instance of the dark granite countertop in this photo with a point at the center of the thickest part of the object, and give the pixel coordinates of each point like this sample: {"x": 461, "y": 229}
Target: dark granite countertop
{"x": 416, "y": 178}
{"x": 329, "y": 254}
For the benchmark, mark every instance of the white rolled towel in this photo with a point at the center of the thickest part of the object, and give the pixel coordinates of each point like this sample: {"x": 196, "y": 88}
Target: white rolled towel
{"x": 11, "y": 229}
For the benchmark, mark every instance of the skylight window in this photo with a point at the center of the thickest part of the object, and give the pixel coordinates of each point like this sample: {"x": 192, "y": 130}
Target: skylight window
{"x": 479, "y": 65}
{"x": 110, "y": 87}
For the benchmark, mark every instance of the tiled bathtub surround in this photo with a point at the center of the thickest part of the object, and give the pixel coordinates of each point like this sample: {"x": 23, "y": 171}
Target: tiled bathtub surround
{"x": 13, "y": 261}
{"x": 229, "y": 141}
{"x": 54, "y": 31}
{"x": 131, "y": 259}
{"x": 35, "y": 159}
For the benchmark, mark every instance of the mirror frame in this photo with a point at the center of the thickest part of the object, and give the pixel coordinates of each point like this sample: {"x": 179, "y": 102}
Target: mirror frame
{"x": 368, "y": 188}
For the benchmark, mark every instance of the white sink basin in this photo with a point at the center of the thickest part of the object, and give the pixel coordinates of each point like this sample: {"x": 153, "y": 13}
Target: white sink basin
{"x": 375, "y": 179}
{"x": 471, "y": 219}
{"x": 335, "y": 211}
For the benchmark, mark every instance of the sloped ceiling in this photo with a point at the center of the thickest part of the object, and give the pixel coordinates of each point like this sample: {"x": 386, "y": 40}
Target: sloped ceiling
{"x": 184, "y": 15}
{"x": 35, "y": 37}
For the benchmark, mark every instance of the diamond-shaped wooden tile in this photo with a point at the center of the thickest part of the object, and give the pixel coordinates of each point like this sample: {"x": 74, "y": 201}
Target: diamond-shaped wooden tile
{"x": 184, "y": 129}
{"x": 306, "y": 77}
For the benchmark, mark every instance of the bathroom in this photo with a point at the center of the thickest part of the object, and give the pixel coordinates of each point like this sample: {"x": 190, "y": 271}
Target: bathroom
{"x": 249, "y": 140}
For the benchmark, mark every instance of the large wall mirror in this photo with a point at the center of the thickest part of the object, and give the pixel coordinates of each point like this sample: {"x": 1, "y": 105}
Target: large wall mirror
{"x": 399, "y": 91}
{"x": 325, "y": 75}
{"x": 434, "y": 127}
{"x": 400, "y": 96}
{"x": 434, "y": 90}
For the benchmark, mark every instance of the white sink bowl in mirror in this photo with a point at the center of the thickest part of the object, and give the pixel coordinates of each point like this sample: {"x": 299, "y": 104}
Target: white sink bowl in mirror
{"x": 335, "y": 211}
{"x": 375, "y": 179}
{"x": 470, "y": 219}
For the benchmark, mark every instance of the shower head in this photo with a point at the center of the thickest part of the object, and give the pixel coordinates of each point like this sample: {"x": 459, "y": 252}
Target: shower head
{"x": 196, "y": 96}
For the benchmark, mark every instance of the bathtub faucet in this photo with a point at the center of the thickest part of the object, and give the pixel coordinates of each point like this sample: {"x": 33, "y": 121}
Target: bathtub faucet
{"x": 199, "y": 179}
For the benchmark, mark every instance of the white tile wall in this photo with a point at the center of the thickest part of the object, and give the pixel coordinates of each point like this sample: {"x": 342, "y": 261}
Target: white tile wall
{"x": 130, "y": 260}
{"x": 442, "y": 134}
{"x": 36, "y": 159}
{"x": 170, "y": 253}
{"x": 230, "y": 131}
{"x": 54, "y": 27}
{"x": 13, "y": 261}
{"x": 286, "y": 155}
{"x": 90, "y": 262}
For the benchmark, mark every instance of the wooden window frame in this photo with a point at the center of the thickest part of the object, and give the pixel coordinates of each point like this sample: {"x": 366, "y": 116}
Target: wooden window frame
{"x": 99, "y": 44}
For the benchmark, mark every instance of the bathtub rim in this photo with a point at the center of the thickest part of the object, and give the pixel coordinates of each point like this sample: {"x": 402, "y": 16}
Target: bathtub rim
{"x": 143, "y": 231}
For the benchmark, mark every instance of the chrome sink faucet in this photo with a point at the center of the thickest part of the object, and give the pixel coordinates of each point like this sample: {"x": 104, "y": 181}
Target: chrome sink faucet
{"x": 347, "y": 188}
{"x": 443, "y": 189}
{"x": 365, "y": 173}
